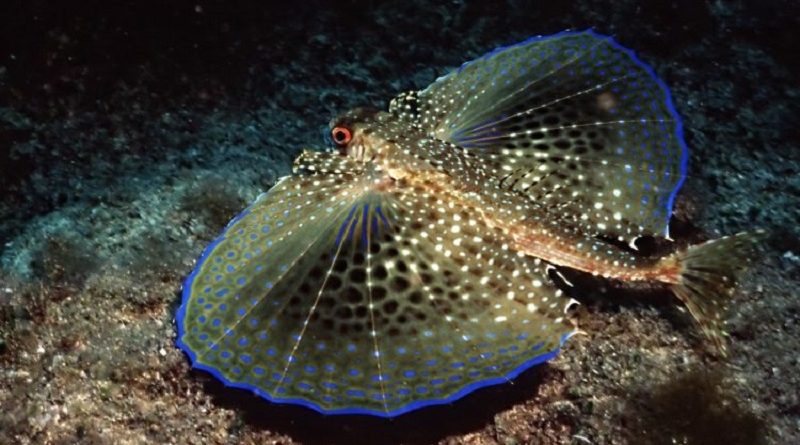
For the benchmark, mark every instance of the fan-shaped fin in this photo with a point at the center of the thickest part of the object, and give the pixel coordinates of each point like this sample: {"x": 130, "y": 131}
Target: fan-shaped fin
{"x": 346, "y": 299}
{"x": 574, "y": 121}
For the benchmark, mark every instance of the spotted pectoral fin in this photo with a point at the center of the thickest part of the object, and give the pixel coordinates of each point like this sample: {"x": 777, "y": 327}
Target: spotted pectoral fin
{"x": 574, "y": 121}
{"x": 461, "y": 310}
{"x": 331, "y": 295}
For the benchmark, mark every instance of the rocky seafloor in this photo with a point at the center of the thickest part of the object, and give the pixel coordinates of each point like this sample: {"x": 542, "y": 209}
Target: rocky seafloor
{"x": 130, "y": 134}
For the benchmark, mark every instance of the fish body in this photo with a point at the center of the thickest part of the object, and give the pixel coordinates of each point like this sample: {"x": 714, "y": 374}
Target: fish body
{"x": 410, "y": 266}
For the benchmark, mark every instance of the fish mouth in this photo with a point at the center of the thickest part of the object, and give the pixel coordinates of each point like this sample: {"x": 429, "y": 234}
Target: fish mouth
{"x": 361, "y": 148}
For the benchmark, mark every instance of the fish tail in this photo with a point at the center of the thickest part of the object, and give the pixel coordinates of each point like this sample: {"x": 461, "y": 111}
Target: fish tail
{"x": 708, "y": 277}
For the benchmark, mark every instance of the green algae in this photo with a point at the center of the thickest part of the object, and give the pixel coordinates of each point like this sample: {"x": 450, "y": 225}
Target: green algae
{"x": 694, "y": 409}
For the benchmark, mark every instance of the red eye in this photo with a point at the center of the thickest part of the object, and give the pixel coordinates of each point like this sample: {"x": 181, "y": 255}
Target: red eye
{"x": 341, "y": 135}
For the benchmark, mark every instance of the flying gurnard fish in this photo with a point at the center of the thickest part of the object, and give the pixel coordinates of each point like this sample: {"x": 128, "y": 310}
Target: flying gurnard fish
{"x": 409, "y": 266}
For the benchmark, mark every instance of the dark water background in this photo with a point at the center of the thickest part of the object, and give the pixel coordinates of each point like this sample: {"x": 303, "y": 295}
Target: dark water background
{"x": 130, "y": 132}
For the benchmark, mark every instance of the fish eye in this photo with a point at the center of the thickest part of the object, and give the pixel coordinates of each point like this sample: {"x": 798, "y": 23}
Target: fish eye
{"x": 341, "y": 135}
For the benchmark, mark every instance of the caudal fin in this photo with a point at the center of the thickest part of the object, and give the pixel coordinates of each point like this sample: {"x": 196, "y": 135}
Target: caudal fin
{"x": 709, "y": 273}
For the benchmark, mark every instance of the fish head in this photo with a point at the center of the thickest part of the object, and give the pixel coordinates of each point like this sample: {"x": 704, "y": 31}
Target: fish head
{"x": 353, "y": 133}
{"x": 371, "y": 136}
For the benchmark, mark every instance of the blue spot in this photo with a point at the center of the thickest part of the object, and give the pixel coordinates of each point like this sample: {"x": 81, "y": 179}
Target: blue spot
{"x": 241, "y": 281}
{"x": 225, "y": 354}
{"x": 240, "y": 312}
{"x": 201, "y": 319}
{"x": 422, "y": 389}
{"x": 355, "y": 393}
{"x": 231, "y": 254}
{"x": 329, "y": 385}
{"x": 243, "y": 341}
{"x": 223, "y": 307}
{"x": 258, "y": 370}
{"x": 409, "y": 374}
{"x": 246, "y": 358}
{"x": 262, "y": 335}
{"x": 310, "y": 369}
{"x": 272, "y": 352}
{"x": 222, "y": 292}
{"x": 354, "y": 372}
{"x": 304, "y": 386}
{"x": 265, "y": 229}
{"x": 216, "y": 322}
{"x": 230, "y": 268}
